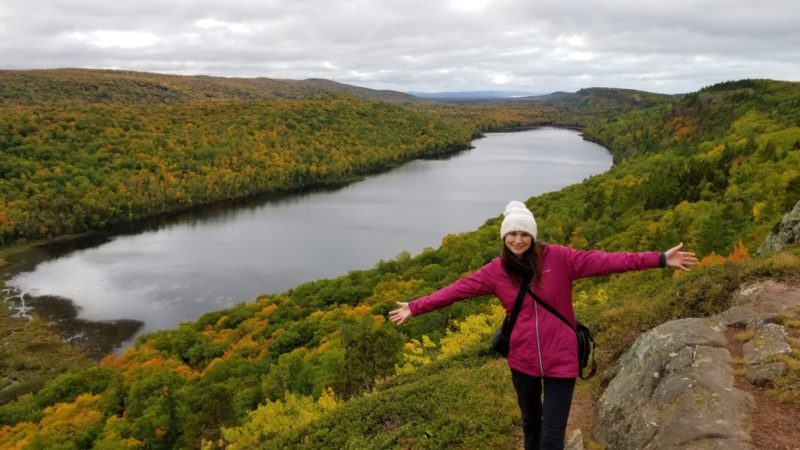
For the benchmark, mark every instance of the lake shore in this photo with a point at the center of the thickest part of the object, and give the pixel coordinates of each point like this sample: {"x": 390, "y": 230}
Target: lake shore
{"x": 31, "y": 354}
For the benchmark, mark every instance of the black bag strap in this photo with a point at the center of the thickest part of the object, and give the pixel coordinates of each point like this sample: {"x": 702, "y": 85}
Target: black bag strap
{"x": 558, "y": 314}
{"x": 517, "y": 307}
{"x": 590, "y": 344}
{"x": 549, "y": 308}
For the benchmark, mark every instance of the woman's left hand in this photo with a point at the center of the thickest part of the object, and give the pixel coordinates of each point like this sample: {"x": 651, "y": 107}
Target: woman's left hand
{"x": 680, "y": 260}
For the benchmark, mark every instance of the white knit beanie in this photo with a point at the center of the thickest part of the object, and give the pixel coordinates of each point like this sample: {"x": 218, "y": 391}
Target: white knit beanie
{"x": 517, "y": 218}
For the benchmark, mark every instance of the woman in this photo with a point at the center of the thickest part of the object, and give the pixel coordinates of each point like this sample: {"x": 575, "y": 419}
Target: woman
{"x": 543, "y": 354}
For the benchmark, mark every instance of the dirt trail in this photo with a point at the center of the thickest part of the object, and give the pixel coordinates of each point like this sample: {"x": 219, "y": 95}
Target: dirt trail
{"x": 774, "y": 424}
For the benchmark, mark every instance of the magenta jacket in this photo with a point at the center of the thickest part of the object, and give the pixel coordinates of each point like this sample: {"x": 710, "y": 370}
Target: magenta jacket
{"x": 541, "y": 344}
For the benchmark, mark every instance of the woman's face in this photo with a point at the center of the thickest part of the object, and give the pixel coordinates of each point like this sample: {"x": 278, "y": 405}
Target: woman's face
{"x": 518, "y": 242}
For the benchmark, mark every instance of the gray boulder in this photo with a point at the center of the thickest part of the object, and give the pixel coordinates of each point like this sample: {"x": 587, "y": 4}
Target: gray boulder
{"x": 746, "y": 317}
{"x": 787, "y": 232}
{"x": 674, "y": 389}
{"x": 768, "y": 342}
{"x": 738, "y": 316}
{"x": 763, "y": 374}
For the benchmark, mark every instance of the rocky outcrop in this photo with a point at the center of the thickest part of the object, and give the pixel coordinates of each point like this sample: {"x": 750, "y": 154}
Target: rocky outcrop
{"x": 758, "y": 307}
{"x": 670, "y": 382}
{"x": 675, "y": 386}
{"x": 787, "y": 232}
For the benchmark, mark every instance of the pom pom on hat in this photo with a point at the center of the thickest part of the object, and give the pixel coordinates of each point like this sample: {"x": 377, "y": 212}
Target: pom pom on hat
{"x": 517, "y": 218}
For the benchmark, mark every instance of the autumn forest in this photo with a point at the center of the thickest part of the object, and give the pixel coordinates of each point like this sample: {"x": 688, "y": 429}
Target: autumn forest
{"x": 318, "y": 366}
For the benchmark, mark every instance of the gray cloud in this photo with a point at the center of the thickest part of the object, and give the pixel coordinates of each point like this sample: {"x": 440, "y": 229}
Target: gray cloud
{"x": 420, "y": 45}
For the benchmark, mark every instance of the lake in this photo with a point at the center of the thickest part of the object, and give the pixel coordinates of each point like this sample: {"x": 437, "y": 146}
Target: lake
{"x": 111, "y": 287}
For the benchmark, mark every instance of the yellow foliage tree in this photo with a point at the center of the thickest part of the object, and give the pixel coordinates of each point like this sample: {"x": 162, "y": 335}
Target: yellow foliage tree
{"x": 577, "y": 240}
{"x": 472, "y": 330}
{"x": 417, "y": 354}
{"x": 273, "y": 417}
{"x": 111, "y": 439}
{"x": 61, "y": 423}
{"x": 17, "y": 437}
{"x": 584, "y": 299}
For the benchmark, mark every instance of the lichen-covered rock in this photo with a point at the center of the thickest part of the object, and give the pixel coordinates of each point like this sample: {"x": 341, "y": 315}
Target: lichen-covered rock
{"x": 674, "y": 389}
{"x": 738, "y": 316}
{"x": 787, "y": 232}
{"x": 746, "y": 316}
{"x": 769, "y": 341}
{"x": 759, "y": 300}
{"x": 758, "y": 322}
{"x": 748, "y": 294}
{"x": 763, "y": 374}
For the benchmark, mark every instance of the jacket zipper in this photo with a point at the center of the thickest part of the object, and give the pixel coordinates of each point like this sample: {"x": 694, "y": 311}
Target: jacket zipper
{"x": 538, "y": 343}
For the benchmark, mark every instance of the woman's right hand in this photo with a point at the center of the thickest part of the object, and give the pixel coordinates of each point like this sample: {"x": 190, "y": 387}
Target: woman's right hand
{"x": 400, "y": 314}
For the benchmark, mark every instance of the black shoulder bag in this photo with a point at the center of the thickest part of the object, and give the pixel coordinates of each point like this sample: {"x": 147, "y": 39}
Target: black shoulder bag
{"x": 586, "y": 344}
{"x": 502, "y": 337}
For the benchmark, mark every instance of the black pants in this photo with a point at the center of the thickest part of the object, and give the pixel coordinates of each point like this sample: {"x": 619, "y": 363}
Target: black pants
{"x": 544, "y": 423}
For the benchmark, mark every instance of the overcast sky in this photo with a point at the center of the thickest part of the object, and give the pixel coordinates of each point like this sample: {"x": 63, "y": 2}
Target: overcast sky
{"x": 417, "y": 45}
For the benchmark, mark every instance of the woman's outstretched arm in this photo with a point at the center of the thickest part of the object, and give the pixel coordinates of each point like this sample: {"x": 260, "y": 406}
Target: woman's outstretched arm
{"x": 474, "y": 285}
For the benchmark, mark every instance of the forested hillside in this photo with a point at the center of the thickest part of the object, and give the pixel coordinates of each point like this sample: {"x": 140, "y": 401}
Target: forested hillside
{"x": 72, "y": 169}
{"x": 320, "y": 367}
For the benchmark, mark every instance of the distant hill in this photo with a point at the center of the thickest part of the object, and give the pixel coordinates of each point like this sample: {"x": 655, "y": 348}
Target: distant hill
{"x": 332, "y": 87}
{"x": 31, "y": 87}
{"x": 566, "y": 109}
{"x": 92, "y": 86}
{"x": 471, "y": 95}
{"x": 589, "y": 97}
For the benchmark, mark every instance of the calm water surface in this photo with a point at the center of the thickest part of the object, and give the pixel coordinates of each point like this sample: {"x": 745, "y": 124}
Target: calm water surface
{"x": 179, "y": 271}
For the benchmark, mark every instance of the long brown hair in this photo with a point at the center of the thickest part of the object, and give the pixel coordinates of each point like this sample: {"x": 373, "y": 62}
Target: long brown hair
{"x": 527, "y": 267}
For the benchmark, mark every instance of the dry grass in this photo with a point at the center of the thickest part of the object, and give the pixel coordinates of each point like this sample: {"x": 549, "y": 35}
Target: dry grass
{"x": 787, "y": 389}
{"x": 744, "y": 336}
